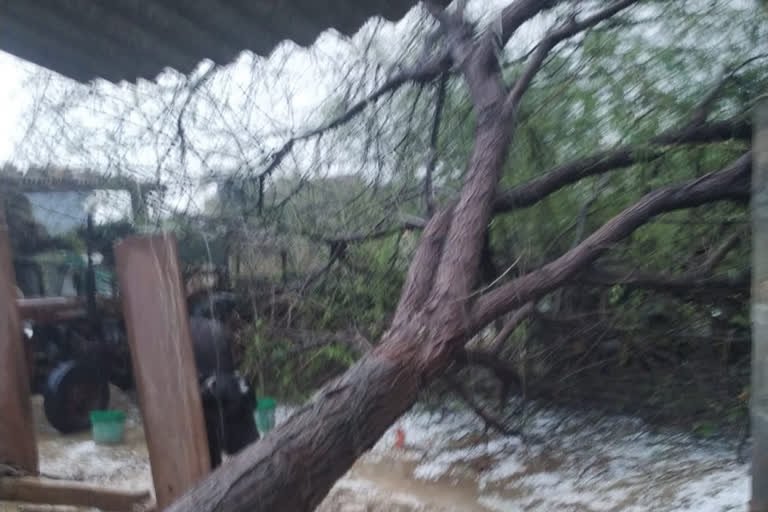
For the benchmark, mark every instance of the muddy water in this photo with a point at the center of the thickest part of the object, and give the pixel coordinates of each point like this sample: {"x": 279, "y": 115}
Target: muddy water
{"x": 580, "y": 463}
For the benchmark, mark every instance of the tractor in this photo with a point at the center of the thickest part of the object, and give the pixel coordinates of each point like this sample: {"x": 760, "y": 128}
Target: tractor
{"x": 74, "y": 338}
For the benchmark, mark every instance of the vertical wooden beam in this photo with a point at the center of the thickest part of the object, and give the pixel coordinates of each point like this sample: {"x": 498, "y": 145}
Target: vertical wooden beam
{"x": 759, "y": 386}
{"x": 163, "y": 362}
{"x": 18, "y": 445}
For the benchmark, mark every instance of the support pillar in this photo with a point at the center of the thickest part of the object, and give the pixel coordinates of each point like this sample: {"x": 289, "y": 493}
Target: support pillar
{"x": 18, "y": 445}
{"x": 759, "y": 386}
{"x": 157, "y": 325}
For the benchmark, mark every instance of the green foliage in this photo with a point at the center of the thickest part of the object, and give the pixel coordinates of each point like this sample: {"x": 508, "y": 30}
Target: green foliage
{"x": 278, "y": 370}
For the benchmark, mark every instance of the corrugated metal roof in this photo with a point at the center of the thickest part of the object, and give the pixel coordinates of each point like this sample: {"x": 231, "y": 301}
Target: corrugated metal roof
{"x": 129, "y": 39}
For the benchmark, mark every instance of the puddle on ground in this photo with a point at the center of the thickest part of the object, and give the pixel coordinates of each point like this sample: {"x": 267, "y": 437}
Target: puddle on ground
{"x": 585, "y": 463}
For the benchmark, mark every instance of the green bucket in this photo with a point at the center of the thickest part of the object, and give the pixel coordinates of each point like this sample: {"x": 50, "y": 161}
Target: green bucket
{"x": 265, "y": 414}
{"x": 107, "y": 427}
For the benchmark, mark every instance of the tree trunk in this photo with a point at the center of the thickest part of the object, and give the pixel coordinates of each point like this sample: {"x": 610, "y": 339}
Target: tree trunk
{"x": 294, "y": 467}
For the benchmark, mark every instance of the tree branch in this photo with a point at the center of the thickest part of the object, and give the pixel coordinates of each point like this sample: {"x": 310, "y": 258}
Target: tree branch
{"x": 696, "y": 279}
{"x": 423, "y": 73}
{"x": 423, "y": 268}
{"x": 515, "y": 15}
{"x": 720, "y": 252}
{"x": 567, "y": 30}
{"x": 731, "y": 183}
{"x": 489, "y": 418}
{"x": 702, "y": 109}
{"x": 665, "y": 282}
{"x": 716, "y": 131}
{"x": 491, "y": 361}
{"x": 518, "y": 317}
{"x": 530, "y": 193}
{"x": 641, "y": 278}
{"x": 304, "y": 340}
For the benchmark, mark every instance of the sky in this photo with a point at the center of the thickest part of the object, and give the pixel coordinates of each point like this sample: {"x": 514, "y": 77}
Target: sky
{"x": 272, "y": 109}
{"x": 13, "y": 102}
{"x": 292, "y": 100}
{"x": 307, "y": 85}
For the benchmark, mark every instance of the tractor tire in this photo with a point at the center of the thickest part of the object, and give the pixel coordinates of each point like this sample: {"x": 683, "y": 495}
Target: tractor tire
{"x": 74, "y": 389}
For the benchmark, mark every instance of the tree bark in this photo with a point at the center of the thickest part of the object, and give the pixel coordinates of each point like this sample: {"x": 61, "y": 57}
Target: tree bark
{"x": 294, "y": 466}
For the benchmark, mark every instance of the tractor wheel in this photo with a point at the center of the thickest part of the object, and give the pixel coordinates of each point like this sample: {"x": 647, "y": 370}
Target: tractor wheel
{"x": 73, "y": 390}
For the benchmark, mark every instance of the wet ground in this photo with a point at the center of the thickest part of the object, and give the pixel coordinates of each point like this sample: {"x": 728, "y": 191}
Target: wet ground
{"x": 584, "y": 463}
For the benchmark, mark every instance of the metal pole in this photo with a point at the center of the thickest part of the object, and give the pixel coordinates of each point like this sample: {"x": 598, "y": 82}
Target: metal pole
{"x": 759, "y": 387}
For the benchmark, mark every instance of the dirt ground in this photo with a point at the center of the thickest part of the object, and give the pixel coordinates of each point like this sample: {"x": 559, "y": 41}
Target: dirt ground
{"x": 449, "y": 464}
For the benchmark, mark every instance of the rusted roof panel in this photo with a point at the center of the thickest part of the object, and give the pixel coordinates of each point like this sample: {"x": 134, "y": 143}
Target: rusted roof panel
{"x": 130, "y": 39}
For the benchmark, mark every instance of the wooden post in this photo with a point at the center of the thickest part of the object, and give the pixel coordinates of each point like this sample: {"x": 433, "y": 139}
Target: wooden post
{"x": 759, "y": 387}
{"x": 18, "y": 445}
{"x": 163, "y": 362}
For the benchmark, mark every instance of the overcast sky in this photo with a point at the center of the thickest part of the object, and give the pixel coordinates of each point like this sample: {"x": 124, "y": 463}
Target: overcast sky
{"x": 13, "y": 101}
{"x": 304, "y": 80}
{"x": 264, "y": 101}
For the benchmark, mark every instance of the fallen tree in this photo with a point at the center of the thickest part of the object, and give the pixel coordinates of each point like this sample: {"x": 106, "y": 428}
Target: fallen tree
{"x": 295, "y": 466}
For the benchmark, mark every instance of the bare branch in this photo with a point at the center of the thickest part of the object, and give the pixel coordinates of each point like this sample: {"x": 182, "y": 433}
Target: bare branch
{"x": 518, "y": 317}
{"x": 719, "y": 253}
{"x": 419, "y": 74}
{"x": 666, "y": 282}
{"x": 731, "y": 183}
{"x": 489, "y": 418}
{"x": 304, "y": 340}
{"x": 351, "y": 238}
{"x": 569, "y": 29}
{"x": 537, "y": 189}
{"x": 737, "y": 128}
{"x": 703, "y": 108}
{"x": 528, "y": 194}
{"x": 503, "y": 369}
{"x": 515, "y": 15}
{"x": 696, "y": 279}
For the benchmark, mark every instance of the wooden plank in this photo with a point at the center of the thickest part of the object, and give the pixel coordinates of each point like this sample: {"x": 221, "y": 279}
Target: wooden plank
{"x": 63, "y": 492}
{"x": 55, "y": 309}
{"x": 18, "y": 445}
{"x": 157, "y": 325}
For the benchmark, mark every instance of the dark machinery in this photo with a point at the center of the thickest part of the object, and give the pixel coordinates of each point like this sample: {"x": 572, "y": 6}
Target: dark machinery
{"x": 75, "y": 340}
